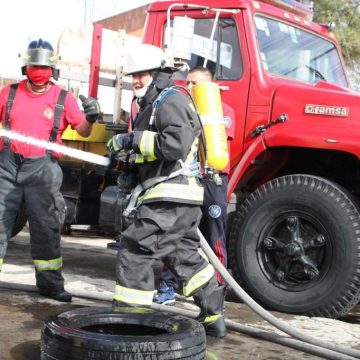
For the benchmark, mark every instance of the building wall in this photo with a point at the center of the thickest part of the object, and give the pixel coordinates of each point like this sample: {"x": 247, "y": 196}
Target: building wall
{"x": 132, "y": 21}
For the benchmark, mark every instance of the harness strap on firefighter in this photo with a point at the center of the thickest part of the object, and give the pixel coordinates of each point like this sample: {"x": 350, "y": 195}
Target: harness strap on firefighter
{"x": 152, "y": 129}
{"x": 9, "y": 104}
{"x": 189, "y": 168}
{"x": 57, "y": 116}
{"x": 161, "y": 97}
{"x": 149, "y": 183}
{"x": 59, "y": 107}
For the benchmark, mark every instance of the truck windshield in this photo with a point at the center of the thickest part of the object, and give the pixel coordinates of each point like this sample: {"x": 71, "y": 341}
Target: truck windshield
{"x": 289, "y": 51}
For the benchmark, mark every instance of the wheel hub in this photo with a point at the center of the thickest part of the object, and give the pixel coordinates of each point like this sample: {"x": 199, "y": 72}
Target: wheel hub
{"x": 289, "y": 250}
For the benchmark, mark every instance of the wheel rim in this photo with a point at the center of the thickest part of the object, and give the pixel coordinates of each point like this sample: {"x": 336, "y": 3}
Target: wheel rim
{"x": 291, "y": 250}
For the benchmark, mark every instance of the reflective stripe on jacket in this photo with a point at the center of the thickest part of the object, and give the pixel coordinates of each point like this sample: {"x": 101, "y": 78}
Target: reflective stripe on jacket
{"x": 192, "y": 193}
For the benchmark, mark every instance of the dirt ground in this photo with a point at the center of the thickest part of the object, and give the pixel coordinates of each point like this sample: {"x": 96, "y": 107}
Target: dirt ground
{"x": 89, "y": 267}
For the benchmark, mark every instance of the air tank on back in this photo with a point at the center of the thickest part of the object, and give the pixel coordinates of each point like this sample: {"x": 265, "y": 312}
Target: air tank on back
{"x": 208, "y": 102}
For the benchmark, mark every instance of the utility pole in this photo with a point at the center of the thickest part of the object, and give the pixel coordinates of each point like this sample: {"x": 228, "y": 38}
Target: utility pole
{"x": 88, "y": 13}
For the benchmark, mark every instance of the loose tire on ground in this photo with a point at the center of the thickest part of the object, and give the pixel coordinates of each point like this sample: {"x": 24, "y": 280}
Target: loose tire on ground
{"x": 98, "y": 333}
{"x": 295, "y": 246}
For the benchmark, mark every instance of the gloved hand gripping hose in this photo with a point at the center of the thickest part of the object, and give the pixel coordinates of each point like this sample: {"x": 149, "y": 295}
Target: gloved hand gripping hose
{"x": 295, "y": 333}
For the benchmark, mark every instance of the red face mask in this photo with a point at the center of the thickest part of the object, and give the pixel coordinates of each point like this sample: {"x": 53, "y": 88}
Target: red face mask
{"x": 39, "y": 75}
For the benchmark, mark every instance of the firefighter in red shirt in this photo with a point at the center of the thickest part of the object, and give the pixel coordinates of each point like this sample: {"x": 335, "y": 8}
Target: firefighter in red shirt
{"x": 31, "y": 176}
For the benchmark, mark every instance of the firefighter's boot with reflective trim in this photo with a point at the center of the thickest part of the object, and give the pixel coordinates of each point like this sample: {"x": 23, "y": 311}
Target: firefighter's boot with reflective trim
{"x": 210, "y": 300}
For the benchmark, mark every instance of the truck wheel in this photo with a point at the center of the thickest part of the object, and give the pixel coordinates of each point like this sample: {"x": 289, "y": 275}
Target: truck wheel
{"x": 295, "y": 247}
{"x": 20, "y": 221}
{"x": 98, "y": 333}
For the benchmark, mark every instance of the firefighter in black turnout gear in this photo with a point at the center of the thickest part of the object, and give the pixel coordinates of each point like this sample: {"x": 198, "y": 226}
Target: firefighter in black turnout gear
{"x": 166, "y": 202}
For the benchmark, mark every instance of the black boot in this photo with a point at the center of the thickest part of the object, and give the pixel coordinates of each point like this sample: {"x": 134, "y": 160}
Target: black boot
{"x": 210, "y": 300}
{"x": 56, "y": 294}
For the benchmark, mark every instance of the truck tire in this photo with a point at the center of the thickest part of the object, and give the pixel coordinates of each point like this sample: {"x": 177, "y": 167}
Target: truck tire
{"x": 20, "y": 222}
{"x": 98, "y": 333}
{"x": 295, "y": 247}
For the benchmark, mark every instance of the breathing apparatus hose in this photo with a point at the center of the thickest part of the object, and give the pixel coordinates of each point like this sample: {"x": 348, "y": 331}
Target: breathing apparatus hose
{"x": 281, "y": 325}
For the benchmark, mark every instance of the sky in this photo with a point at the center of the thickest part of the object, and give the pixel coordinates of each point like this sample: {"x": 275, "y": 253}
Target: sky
{"x": 24, "y": 20}
{"x": 106, "y": 8}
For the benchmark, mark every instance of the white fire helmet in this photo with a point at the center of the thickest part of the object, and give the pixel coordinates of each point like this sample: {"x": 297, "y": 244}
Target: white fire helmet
{"x": 145, "y": 57}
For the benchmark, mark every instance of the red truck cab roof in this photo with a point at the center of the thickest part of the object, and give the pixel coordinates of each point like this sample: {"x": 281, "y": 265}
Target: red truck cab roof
{"x": 289, "y": 10}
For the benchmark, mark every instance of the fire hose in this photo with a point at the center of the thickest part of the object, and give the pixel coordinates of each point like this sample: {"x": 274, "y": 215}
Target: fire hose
{"x": 61, "y": 149}
{"x": 337, "y": 351}
{"x": 298, "y": 340}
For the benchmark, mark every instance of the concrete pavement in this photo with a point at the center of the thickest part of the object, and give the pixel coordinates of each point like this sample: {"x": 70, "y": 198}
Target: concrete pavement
{"x": 89, "y": 266}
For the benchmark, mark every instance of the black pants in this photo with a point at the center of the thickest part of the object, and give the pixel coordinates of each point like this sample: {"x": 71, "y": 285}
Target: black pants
{"x": 214, "y": 218}
{"x": 162, "y": 231}
{"x": 34, "y": 182}
{"x": 212, "y": 226}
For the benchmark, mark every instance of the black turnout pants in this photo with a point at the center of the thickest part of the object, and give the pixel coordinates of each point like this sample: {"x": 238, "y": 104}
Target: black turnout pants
{"x": 212, "y": 226}
{"x": 161, "y": 231}
{"x": 34, "y": 182}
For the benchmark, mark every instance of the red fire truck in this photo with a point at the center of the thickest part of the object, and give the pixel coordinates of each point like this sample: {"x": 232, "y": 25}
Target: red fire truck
{"x": 294, "y": 213}
{"x": 294, "y": 229}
